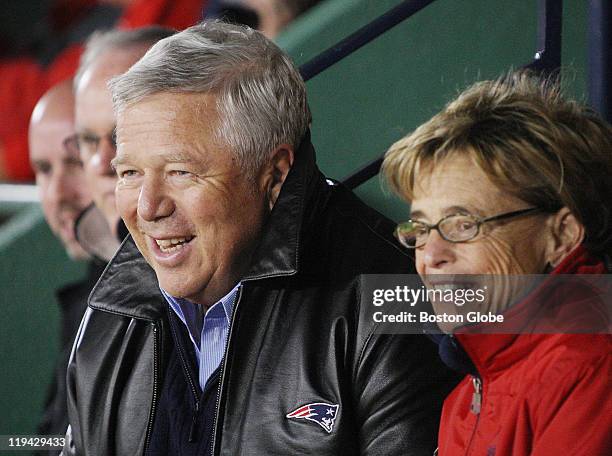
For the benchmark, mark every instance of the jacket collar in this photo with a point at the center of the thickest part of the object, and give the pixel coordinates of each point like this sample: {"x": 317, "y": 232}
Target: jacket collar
{"x": 495, "y": 352}
{"x": 129, "y": 285}
{"x": 278, "y": 252}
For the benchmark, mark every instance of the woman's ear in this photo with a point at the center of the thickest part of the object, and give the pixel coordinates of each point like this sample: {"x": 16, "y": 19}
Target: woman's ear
{"x": 566, "y": 233}
{"x": 276, "y": 171}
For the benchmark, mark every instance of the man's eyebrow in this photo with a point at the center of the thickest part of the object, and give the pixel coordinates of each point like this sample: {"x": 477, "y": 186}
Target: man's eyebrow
{"x": 168, "y": 158}
{"x": 177, "y": 157}
{"x": 40, "y": 163}
{"x": 118, "y": 160}
{"x": 196, "y": 162}
{"x": 84, "y": 131}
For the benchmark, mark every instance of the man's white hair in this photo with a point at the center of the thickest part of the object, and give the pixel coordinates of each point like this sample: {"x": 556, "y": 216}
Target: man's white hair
{"x": 102, "y": 41}
{"x": 260, "y": 95}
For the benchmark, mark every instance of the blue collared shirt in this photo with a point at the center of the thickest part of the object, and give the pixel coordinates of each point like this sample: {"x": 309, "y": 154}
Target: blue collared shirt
{"x": 208, "y": 334}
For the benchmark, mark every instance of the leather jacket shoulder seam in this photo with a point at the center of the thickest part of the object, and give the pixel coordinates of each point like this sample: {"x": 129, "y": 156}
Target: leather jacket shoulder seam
{"x": 123, "y": 314}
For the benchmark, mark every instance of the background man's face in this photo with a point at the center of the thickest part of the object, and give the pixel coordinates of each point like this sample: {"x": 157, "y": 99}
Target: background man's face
{"x": 192, "y": 213}
{"x": 95, "y": 121}
{"x": 59, "y": 171}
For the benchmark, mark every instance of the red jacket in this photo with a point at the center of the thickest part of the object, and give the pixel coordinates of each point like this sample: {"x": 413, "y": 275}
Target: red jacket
{"x": 540, "y": 394}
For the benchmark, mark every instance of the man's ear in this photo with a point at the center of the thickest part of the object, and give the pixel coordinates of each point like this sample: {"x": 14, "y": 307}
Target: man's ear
{"x": 276, "y": 171}
{"x": 567, "y": 233}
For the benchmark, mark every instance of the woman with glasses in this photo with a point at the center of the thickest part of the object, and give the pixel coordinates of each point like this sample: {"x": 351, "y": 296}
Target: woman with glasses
{"x": 511, "y": 180}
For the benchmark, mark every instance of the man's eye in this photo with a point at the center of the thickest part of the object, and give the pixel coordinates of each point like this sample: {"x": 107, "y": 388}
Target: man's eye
{"x": 89, "y": 139}
{"x": 128, "y": 173}
{"x": 179, "y": 172}
{"x": 74, "y": 161}
{"x": 42, "y": 168}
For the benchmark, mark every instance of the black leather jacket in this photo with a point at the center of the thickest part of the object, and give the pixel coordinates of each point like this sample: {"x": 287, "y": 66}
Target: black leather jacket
{"x": 297, "y": 337}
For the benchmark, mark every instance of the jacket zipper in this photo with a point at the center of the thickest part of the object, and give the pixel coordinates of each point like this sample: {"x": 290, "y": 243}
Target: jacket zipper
{"x": 475, "y": 407}
{"x": 476, "y": 396}
{"x": 194, "y": 391}
{"x": 224, "y": 364}
{"x": 155, "y": 385}
{"x": 194, "y": 422}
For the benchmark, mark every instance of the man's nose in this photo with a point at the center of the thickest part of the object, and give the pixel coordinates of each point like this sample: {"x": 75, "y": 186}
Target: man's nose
{"x": 153, "y": 203}
{"x": 60, "y": 190}
{"x": 437, "y": 252}
{"x": 101, "y": 160}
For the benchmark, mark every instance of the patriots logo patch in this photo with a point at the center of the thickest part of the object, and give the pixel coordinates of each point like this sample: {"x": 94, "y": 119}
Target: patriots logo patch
{"x": 319, "y": 412}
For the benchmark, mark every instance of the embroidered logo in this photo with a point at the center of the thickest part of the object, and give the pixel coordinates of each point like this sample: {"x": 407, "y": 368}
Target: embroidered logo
{"x": 319, "y": 412}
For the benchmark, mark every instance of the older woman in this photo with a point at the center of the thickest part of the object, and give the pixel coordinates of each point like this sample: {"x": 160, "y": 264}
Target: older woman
{"x": 512, "y": 179}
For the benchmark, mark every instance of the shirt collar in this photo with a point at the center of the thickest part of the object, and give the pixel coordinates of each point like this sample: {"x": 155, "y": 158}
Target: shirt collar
{"x": 185, "y": 309}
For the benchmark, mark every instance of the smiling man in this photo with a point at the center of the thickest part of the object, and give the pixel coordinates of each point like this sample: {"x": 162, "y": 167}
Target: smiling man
{"x": 229, "y": 323}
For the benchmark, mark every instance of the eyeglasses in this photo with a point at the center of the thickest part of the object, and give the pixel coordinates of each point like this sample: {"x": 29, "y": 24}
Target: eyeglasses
{"x": 452, "y": 228}
{"x": 87, "y": 144}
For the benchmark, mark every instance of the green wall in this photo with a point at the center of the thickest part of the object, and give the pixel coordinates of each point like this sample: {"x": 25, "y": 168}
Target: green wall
{"x": 32, "y": 265}
{"x": 384, "y": 90}
{"x": 360, "y": 106}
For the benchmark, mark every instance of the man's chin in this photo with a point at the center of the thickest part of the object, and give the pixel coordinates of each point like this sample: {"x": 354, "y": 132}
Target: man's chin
{"x": 180, "y": 289}
{"x": 175, "y": 290}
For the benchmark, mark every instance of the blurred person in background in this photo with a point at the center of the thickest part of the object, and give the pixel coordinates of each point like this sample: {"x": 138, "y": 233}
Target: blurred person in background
{"x": 107, "y": 54}
{"x": 43, "y": 49}
{"x": 49, "y": 52}
{"x": 270, "y": 17}
{"x": 510, "y": 180}
{"x": 63, "y": 196}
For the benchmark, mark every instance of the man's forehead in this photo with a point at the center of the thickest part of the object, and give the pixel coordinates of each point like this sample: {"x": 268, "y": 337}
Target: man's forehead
{"x": 47, "y": 135}
{"x": 184, "y": 155}
{"x": 175, "y": 113}
{"x": 57, "y": 105}
{"x": 110, "y": 63}
{"x": 204, "y": 104}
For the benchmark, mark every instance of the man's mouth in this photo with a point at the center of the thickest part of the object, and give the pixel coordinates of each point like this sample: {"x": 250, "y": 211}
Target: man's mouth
{"x": 174, "y": 244}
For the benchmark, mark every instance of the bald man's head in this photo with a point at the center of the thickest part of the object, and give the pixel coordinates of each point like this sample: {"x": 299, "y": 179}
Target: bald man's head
{"x": 59, "y": 171}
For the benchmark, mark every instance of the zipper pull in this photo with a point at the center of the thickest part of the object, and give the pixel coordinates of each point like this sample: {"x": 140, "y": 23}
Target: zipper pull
{"x": 477, "y": 396}
{"x": 194, "y": 423}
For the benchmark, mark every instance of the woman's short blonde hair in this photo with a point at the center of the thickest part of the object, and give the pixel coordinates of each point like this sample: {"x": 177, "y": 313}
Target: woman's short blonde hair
{"x": 530, "y": 140}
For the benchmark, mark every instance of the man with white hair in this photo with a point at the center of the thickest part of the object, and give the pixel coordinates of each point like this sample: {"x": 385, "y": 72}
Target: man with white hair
{"x": 253, "y": 343}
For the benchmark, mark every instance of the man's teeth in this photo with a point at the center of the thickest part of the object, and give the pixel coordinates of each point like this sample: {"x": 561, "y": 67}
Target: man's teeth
{"x": 171, "y": 245}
